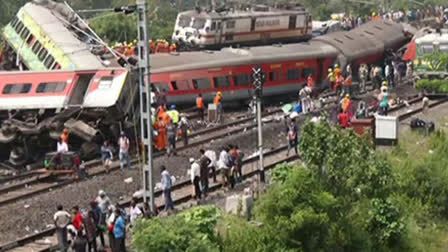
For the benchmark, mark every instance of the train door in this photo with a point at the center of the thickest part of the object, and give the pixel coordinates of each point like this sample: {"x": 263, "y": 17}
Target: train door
{"x": 320, "y": 72}
{"x": 80, "y": 90}
{"x": 301, "y": 22}
{"x": 219, "y": 28}
{"x": 292, "y": 22}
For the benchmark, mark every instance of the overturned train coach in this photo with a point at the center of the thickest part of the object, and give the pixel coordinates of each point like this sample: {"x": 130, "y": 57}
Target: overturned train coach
{"x": 35, "y": 107}
{"x": 182, "y": 76}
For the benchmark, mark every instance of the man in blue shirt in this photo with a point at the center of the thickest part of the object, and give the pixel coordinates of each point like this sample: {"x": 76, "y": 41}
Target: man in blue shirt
{"x": 120, "y": 231}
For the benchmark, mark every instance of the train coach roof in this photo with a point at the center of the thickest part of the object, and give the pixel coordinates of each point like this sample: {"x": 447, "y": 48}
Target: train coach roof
{"x": 366, "y": 40}
{"x": 235, "y": 57}
{"x": 50, "y": 22}
{"x": 240, "y": 13}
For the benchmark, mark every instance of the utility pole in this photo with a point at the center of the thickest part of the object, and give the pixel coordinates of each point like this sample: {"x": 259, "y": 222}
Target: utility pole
{"x": 259, "y": 79}
{"x": 145, "y": 102}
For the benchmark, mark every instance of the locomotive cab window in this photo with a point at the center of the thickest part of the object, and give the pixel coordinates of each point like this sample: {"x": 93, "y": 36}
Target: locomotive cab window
{"x": 293, "y": 74}
{"x": 202, "y": 83}
{"x": 17, "y": 88}
{"x": 230, "y": 24}
{"x": 242, "y": 80}
{"x": 181, "y": 85}
{"x": 213, "y": 26}
{"x": 307, "y": 71}
{"x": 222, "y": 82}
{"x": 51, "y": 87}
{"x": 198, "y": 23}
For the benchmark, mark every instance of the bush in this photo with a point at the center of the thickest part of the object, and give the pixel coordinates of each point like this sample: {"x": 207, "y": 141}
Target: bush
{"x": 193, "y": 230}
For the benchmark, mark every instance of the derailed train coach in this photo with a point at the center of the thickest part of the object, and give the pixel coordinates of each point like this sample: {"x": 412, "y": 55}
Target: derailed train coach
{"x": 35, "y": 107}
{"x": 182, "y": 76}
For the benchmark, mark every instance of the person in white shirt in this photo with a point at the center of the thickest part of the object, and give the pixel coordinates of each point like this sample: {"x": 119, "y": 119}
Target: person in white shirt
{"x": 212, "y": 166}
{"x": 61, "y": 220}
{"x": 62, "y": 146}
{"x": 195, "y": 174}
{"x": 135, "y": 213}
{"x": 124, "y": 144}
{"x": 103, "y": 202}
{"x": 224, "y": 165}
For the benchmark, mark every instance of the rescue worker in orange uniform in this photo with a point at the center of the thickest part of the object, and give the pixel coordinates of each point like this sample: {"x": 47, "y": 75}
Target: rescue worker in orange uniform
{"x": 347, "y": 106}
{"x": 200, "y": 106}
{"x": 218, "y": 103}
{"x": 337, "y": 70}
{"x": 162, "y": 140}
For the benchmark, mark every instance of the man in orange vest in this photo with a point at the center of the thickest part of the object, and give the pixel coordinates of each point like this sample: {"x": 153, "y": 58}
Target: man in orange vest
{"x": 218, "y": 103}
{"x": 200, "y": 106}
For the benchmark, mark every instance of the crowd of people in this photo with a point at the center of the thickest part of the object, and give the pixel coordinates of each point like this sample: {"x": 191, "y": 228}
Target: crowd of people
{"x": 81, "y": 230}
{"x": 158, "y": 46}
{"x": 402, "y": 15}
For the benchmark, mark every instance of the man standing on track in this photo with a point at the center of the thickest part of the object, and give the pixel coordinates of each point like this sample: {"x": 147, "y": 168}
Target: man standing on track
{"x": 200, "y": 106}
{"x": 195, "y": 175}
{"x": 219, "y": 109}
{"x": 124, "y": 144}
{"x": 204, "y": 163}
{"x": 213, "y": 162}
{"x": 166, "y": 188}
{"x": 61, "y": 221}
{"x": 106, "y": 156}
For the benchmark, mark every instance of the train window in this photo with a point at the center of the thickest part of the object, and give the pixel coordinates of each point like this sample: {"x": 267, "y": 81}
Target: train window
{"x": 222, "y": 82}
{"x": 49, "y": 61}
{"x": 307, "y": 72}
{"x": 51, "y": 87}
{"x": 198, "y": 23}
{"x": 230, "y": 24}
{"x": 275, "y": 76}
{"x": 184, "y": 21}
{"x": 202, "y": 83}
{"x": 14, "y": 22}
{"x": 17, "y": 88}
{"x": 181, "y": 85}
{"x": 25, "y": 33}
{"x": 106, "y": 82}
{"x": 19, "y": 26}
{"x": 161, "y": 86}
{"x": 42, "y": 54}
{"x": 293, "y": 74}
{"x": 30, "y": 40}
{"x": 36, "y": 47}
{"x": 213, "y": 26}
{"x": 242, "y": 79}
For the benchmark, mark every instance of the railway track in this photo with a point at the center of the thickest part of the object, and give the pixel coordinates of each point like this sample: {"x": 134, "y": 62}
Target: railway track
{"x": 45, "y": 240}
{"x": 27, "y": 188}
